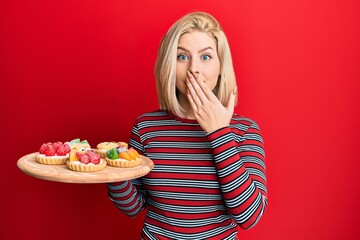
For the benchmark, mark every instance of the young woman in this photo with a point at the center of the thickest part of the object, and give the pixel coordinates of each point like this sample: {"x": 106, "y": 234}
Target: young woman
{"x": 209, "y": 173}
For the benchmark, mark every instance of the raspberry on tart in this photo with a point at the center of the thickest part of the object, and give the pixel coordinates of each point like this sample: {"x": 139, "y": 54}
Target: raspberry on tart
{"x": 83, "y": 158}
{"x": 56, "y": 153}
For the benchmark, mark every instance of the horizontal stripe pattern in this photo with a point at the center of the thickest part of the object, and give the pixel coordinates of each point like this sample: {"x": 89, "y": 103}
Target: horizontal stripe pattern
{"x": 202, "y": 185}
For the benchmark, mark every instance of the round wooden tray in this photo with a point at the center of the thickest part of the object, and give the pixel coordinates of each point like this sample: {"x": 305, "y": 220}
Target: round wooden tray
{"x": 60, "y": 173}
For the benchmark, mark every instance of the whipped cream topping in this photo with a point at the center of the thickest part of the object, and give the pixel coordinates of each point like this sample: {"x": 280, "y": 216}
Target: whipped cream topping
{"x": 89, "y": 164}
{"x": 124, "y": 160}
{"x": 56, "y": 156}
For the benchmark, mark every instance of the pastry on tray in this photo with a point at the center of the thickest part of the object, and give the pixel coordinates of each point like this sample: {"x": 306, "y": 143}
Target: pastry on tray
{"x": 53, "y": 153}
{"x": 83, "y": 159}
{"x": 103, "y": 147}
{"x": 122, "y": 156}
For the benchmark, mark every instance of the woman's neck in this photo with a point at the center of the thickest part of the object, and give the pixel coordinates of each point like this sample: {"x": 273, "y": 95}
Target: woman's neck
{"x": 187, "y": 112}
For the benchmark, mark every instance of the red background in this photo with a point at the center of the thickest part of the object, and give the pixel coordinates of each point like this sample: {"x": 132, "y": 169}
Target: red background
{"x": 84, "y": 68}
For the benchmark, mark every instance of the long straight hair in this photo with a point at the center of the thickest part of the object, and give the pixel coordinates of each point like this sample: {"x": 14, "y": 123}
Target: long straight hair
{"x": 165, "y": 66}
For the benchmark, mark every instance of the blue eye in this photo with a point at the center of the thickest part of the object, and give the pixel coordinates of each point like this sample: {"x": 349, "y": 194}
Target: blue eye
{"x": 182, "y": 57}
{"x": 205, "y": 57}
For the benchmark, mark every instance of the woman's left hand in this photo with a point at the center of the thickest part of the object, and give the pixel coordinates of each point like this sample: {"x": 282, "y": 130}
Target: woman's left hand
{"x": 208, "y": 110}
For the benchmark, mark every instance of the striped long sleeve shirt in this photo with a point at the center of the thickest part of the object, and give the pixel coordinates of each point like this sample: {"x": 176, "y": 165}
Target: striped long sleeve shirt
{"x": 202, "y": 186}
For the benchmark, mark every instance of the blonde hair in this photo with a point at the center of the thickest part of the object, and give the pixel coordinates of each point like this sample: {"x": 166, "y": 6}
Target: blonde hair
{"x": 165, "y": 66}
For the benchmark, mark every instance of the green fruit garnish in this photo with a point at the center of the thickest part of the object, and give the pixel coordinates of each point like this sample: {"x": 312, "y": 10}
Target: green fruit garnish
{"x": 112, "y": 153}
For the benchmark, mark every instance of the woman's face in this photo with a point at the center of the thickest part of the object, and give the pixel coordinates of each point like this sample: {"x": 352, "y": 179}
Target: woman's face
{"x": 197, "y": 53}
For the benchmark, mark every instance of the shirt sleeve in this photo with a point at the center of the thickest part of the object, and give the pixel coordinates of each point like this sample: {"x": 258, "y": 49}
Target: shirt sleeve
{"x": 129, "y": 196}
{"x": 240, "y": 162}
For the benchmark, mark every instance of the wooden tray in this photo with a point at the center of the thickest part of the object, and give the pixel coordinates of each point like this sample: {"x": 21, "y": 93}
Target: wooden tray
{"x": 60, "y": 173}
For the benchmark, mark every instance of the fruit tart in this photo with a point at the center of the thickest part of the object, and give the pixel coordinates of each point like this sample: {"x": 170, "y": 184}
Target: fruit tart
{"x": 123, "y": 157}
{"x": 103, "y": 147}
{"x": 78, "y": 146}
{"x": 53, "y": 153}
{"x": 83, "y": 158}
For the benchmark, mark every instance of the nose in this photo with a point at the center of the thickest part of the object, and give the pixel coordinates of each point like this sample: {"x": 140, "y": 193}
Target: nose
{"x": 194, "y": 67}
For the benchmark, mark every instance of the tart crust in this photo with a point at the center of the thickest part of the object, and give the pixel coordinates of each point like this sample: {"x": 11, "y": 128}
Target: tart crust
{"x": 102, "y": 154}
{"x": 86, "y": 168}
{"x": 123, "y": 163}
{"x": 58, "y": 160}
{"x": 105, "y": 146}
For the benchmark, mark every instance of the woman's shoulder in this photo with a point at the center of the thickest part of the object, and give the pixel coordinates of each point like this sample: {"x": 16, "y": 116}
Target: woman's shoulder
{"x": 153, "y": 115}
{"x": 240, "y": 121}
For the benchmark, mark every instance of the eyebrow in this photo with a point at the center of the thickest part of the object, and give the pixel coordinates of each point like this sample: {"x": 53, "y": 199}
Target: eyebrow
{"x": 201, "y": 50}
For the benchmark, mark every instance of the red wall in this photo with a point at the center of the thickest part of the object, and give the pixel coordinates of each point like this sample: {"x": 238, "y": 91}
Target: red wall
{"x": 83, "y": 68}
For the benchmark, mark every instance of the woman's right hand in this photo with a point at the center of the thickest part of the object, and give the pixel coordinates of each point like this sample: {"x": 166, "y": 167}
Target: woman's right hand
{"x": 208, "y": 110}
